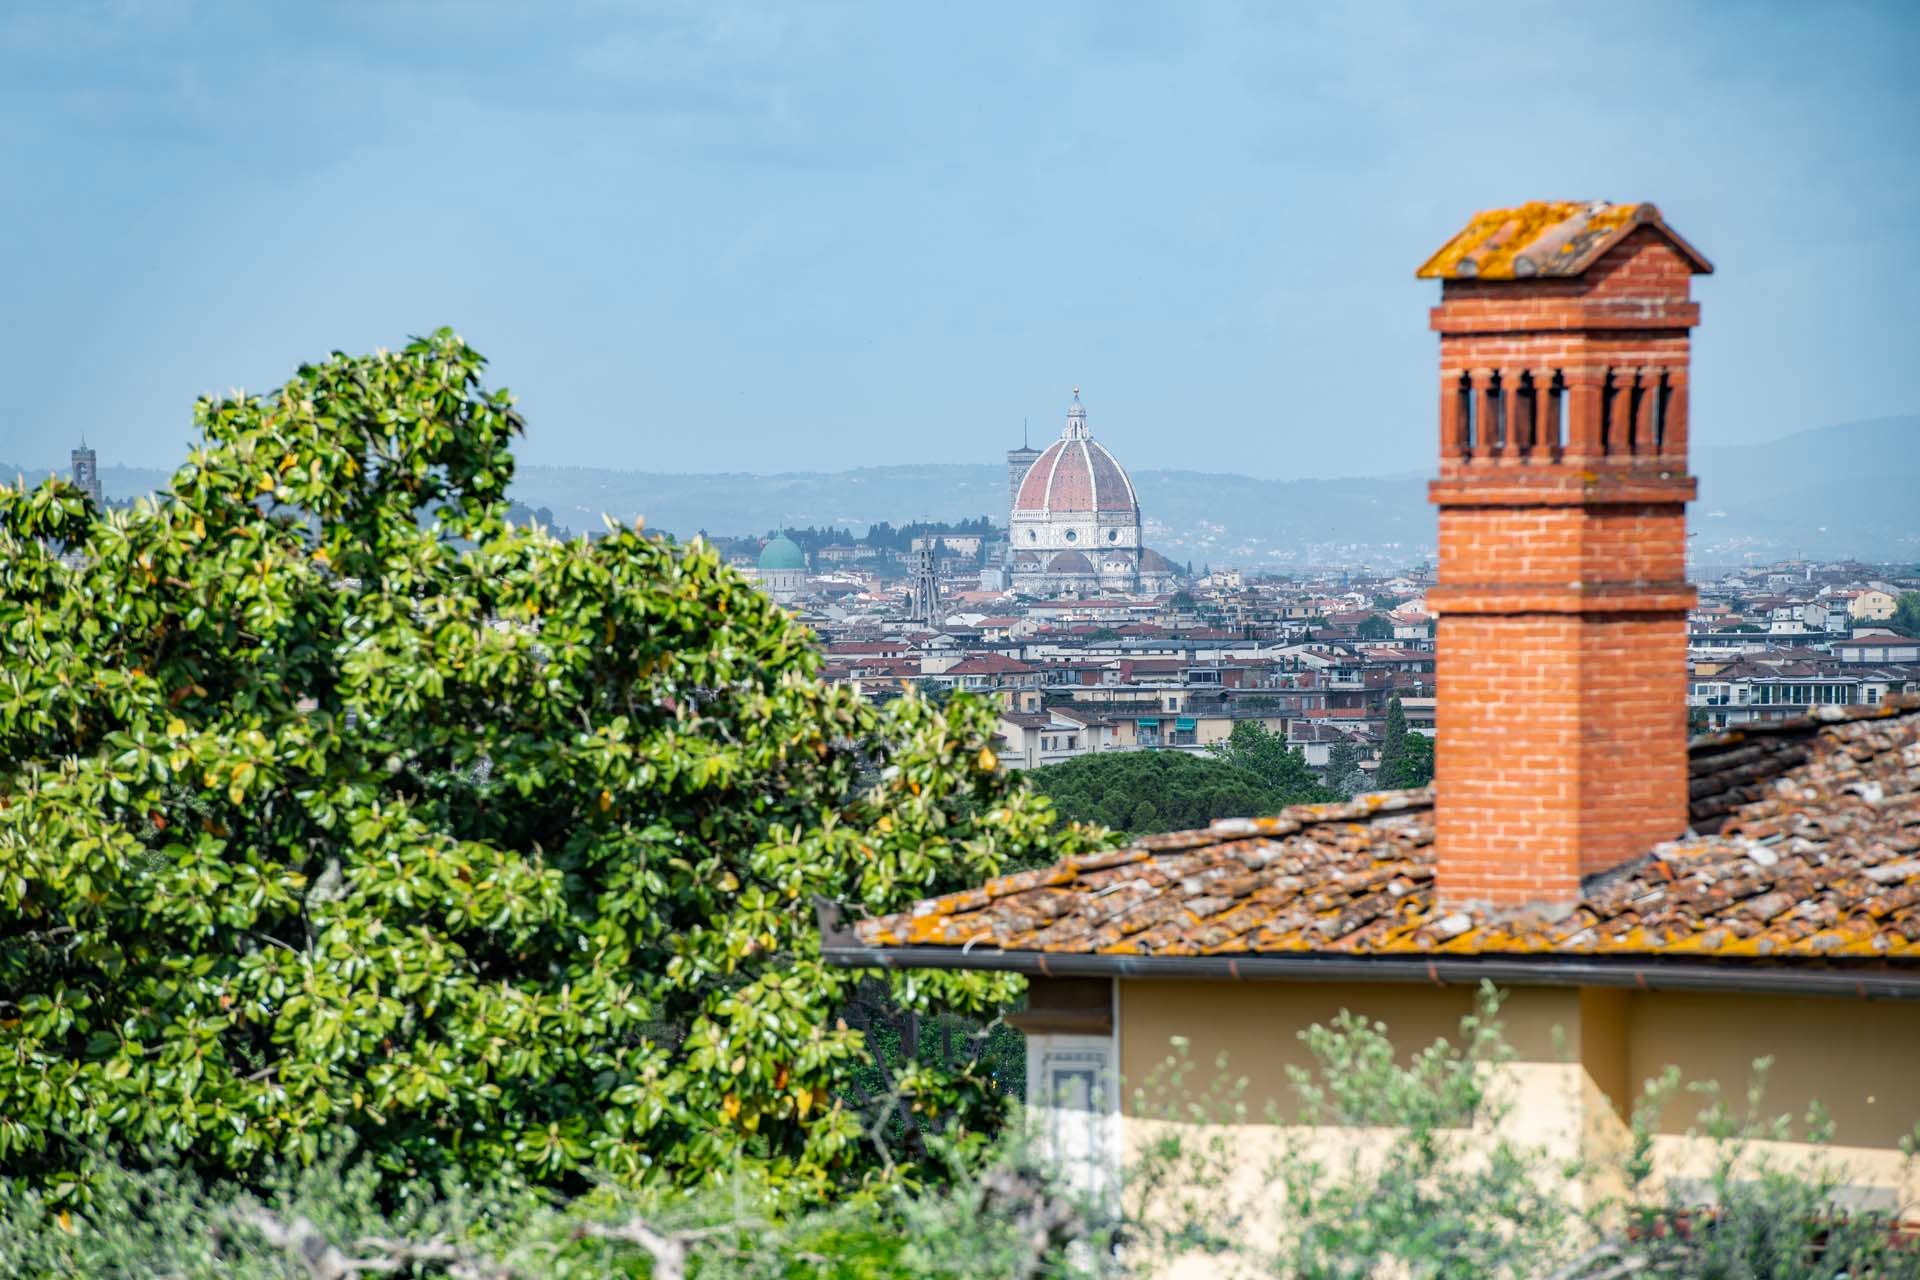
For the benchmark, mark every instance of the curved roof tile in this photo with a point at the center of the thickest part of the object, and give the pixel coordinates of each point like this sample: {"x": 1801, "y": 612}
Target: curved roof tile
{"x": 1546, "y": 238}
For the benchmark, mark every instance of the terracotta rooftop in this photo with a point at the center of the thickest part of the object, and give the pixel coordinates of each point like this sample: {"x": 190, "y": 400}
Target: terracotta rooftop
{"x": 1814, "y": 852}
{"x": 1546, "y": 238}
{"x": 989, "y": 664}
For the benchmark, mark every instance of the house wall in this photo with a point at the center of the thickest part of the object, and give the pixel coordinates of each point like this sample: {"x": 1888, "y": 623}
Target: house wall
{"x": 1583, "y": 1057}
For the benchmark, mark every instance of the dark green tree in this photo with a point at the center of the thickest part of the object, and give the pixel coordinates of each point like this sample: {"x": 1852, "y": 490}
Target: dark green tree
{"x": 1144, "y": 792}
{"x": 1282, "y": 769}
{"x": 1416, "y": 762}
{"x": 1906, "y": 612}
{"x": 1374, "y": 627}
{"x": 494, "y": 850}
{"x": 1345, "y": 777}
{"x": 1393, "y": 743}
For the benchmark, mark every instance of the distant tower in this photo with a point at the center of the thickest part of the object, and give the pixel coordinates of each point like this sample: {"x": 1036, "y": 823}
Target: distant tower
{"x": 86, "y": 473}
{"x": 926, "y": 588}
{"x": 1018, "y": 462}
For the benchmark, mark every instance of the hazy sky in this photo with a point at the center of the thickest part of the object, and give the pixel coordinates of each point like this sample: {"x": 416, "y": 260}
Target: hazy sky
{"x": 717, "y": 236}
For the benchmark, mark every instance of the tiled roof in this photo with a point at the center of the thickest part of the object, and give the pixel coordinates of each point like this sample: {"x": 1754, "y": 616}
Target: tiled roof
{"x": 1817, "y": 855}
{"x": 989, "y": 664}
{"x": 1545, "y": 238}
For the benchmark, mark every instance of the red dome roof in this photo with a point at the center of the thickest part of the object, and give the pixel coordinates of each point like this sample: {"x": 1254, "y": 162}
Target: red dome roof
{"x": 1069, "y": 562}
{"x": 1075, "y": 475}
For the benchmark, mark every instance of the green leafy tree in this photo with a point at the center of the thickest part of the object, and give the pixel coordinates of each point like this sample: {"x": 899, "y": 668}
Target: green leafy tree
{"x": 1282, "y": 769}
{"x": 494, "y": 850}
{"x": 1906, "y": 612}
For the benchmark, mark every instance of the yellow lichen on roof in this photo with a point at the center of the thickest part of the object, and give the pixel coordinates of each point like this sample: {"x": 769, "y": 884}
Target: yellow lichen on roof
{"x": 1494, "y": 236}
{"x": 1547, "y": 238}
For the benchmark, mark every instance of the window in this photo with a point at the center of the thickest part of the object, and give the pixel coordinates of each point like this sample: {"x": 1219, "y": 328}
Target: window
{"x": 1662, "y": 392}
{"x": 1072, "y": 536}
{"x": 1072, "y": 1101}
{"x": 1033, "y": 535}
{"x": 1556, "y": 425}
{"x": 1607, "y": 392}
{"x": 1636, "y": 400}
{"x": 1469, "y": 436}
{"x": 1113, "y": 535}
{"x": 1527, "y": 406}
{"x": 1496, "y": 414}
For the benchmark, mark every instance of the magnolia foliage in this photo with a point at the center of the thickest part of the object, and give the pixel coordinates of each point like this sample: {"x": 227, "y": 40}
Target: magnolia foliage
{"x": 331, "y": 801}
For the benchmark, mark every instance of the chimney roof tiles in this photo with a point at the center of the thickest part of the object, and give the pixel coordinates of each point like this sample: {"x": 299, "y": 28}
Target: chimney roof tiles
{"x": 1546, "y": 238}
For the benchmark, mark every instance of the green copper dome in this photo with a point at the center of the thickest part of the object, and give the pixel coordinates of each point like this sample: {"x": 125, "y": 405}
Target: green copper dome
{"x": 781, "y": 553}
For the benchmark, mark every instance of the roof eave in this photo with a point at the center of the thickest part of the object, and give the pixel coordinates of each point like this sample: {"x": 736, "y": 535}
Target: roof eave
{"x": 1646, "y": 973}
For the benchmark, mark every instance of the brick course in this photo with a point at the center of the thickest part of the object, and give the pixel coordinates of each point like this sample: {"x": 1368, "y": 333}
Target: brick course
{"x": 1562, "y": 593}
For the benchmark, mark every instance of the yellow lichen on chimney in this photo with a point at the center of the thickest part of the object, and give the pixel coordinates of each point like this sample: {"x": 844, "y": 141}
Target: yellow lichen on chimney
{"x": 1486, "y": 247}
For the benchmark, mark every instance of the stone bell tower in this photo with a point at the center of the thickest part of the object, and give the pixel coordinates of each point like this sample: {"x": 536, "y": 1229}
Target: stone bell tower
{"x": 1562, "y": 592}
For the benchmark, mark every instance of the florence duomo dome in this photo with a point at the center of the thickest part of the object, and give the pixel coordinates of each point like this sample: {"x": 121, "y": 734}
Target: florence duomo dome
{"x": 1075, "y": 523}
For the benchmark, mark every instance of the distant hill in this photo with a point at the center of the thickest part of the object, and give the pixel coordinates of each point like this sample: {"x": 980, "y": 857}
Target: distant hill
{"x": 1846, "y": 490}
{"x": 1836, "y": 491}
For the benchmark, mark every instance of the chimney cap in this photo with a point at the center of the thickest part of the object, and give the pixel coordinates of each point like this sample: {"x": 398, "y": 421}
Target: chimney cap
{"x": 1547, "y": 238}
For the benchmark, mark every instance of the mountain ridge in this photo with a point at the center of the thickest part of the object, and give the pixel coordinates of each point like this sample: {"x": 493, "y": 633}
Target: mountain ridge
{"x": 1847, "y": 489}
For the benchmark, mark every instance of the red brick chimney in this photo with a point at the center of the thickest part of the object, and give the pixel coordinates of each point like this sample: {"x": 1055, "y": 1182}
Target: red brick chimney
{"x": 1562, "y": 588}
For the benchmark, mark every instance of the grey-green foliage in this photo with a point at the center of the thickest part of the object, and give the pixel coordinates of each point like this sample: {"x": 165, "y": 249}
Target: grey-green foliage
{"x": 1429, "y": 1187}
{"x": 1451, "y": 1195}
{"x": 993, "y": 1214}
{"x": 1752, "y": 1217}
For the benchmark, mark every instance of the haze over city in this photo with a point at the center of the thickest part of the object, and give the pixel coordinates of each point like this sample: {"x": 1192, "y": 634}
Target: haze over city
{"x": 767, "y": 237}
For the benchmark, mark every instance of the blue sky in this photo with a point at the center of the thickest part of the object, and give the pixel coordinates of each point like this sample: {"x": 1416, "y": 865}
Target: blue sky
{"x": 717, "y": 236}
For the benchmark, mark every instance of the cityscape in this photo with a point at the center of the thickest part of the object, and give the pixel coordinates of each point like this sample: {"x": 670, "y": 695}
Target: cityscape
{"x": 1109, "y": 642}
{"x": 1127, "y": 650}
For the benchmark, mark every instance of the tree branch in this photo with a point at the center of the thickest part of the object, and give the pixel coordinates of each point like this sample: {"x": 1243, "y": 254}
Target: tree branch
{"x": 304, "y": 1243}
{"x": 914, "y": 1142}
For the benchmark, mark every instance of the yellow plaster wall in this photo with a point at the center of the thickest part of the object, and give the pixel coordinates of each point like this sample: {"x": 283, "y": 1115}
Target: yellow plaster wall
{"x": 1859, "y": 1058}
{"x": 1583, "y": 1056}
{"x": 1257, "y": 1025}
